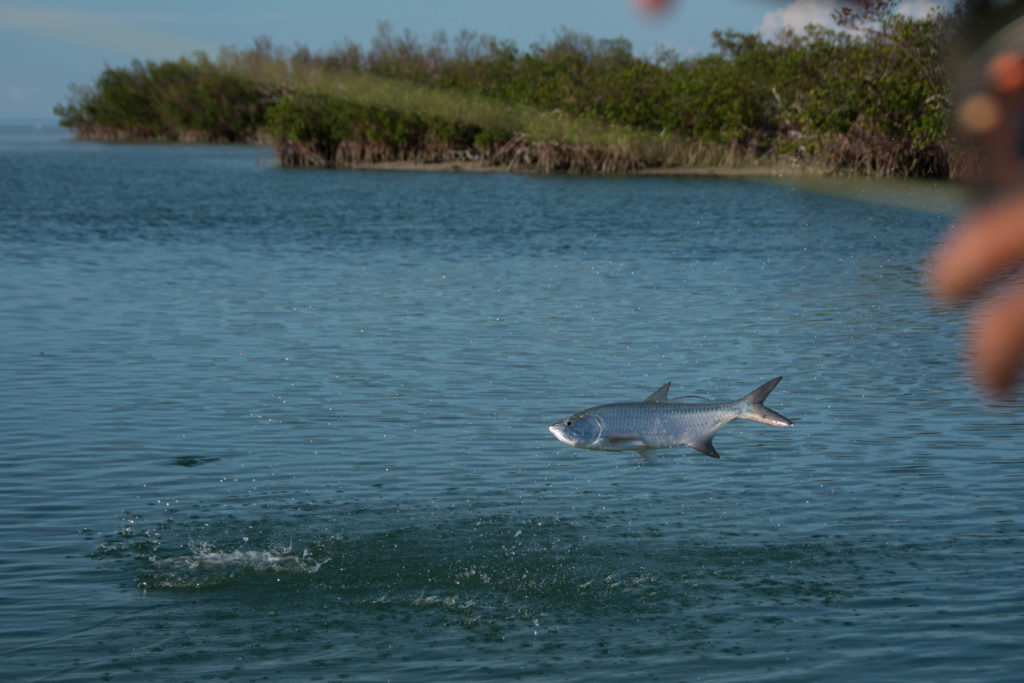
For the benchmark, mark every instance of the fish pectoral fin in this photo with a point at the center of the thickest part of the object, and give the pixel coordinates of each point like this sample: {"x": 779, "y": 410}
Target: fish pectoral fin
{"x": 619, "y": 440}
{"x": 706, "y": 448}
{"x": 648, "y": 455}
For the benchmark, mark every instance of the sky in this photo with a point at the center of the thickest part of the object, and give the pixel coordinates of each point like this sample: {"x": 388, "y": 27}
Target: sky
{"x": 47, "y": 45}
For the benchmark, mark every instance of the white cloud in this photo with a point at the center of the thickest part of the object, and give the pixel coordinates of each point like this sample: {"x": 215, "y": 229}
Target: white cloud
{"x": 796, "y": 16}
{"x": 919, "y": 9}
{"x": 800, "y": 13}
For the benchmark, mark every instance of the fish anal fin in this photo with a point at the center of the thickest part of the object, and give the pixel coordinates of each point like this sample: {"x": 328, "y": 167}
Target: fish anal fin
{"x": 706, "y": 448}
{"x": 659, "y": 396}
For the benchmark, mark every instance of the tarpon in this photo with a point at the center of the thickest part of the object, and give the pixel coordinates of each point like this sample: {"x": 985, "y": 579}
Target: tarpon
{"x": 661, "y": 422}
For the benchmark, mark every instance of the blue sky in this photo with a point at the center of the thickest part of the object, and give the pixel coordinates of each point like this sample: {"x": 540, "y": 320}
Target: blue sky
{"x": 47, "y": 45}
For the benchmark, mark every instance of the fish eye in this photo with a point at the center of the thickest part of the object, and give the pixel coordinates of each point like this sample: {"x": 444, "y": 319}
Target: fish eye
{"x": 568, "y": 423}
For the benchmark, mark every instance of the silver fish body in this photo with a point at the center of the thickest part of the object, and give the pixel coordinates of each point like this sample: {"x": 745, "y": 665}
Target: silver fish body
{"x": 661, "y": 422}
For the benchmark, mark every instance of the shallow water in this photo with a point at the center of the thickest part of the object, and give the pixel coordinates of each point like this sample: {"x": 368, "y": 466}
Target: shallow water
{"x": 292, "y": 424}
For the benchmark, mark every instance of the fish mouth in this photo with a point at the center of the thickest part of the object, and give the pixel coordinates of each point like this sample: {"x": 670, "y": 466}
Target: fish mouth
{"x": 558, "y": 434}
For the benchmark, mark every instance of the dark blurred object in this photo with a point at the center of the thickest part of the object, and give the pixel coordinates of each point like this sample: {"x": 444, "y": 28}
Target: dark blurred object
{"x": 990, "y": 110}
{"x": 990, "y": 93}
{"x": 652, "y": 6}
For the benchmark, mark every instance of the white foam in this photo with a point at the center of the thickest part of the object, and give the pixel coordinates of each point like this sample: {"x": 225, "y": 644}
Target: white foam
{"x": 205, "y": 556}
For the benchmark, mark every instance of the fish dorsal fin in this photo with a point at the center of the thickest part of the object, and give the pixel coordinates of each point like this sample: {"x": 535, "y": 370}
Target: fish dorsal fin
{"x": 659, "y": 396}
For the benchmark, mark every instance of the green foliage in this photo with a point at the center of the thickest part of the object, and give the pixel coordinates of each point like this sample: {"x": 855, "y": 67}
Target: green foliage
{"x": 328, "y": 129}
{"x": 167, "y": 100}
{"x": 873, "y": 100}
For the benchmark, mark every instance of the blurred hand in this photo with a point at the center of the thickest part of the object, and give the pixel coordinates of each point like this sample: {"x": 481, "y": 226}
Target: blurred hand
{"x": 977, "y": 251}
{"x": 989, "y": 241}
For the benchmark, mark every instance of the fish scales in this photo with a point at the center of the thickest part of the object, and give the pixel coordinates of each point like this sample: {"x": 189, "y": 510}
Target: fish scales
{"x": 663, "y": 425}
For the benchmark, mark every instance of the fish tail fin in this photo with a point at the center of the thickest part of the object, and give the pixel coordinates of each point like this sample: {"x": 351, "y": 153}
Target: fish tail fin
{"x": 753, "y": 406}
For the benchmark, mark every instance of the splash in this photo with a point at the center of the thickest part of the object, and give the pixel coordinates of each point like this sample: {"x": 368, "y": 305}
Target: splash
{"x": 206, "y": 566}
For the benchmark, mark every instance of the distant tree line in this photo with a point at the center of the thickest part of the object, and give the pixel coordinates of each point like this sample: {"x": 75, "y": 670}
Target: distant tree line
{"x": 870, "y": 95}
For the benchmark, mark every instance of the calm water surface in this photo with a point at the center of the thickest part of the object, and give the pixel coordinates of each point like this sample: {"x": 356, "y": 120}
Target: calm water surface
{"x": 292, "y": 425}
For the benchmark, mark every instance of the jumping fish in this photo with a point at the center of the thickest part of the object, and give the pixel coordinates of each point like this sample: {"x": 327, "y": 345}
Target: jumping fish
{"x": 661, "y": 422}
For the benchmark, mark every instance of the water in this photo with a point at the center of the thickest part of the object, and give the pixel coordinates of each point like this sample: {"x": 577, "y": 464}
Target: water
{"x": 279, "y": 424}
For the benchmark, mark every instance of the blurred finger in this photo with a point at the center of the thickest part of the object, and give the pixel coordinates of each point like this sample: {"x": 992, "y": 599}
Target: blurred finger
{"x": 978, "y": 249}
{"x": 996, "y": 344}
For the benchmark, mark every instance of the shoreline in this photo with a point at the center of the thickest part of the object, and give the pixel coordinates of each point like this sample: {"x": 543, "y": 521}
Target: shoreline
{"x": 934, "y": 195}
{"x": 779, "y": 168}
{"x": 461, "y": 166}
